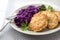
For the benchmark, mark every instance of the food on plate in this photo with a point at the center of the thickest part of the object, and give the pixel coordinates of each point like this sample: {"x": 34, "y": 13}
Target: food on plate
{"x": 37, "y": 18}
{"x": 25, "y": 14}
{"x": 38, "y": 22}
{"x": 52, "y": 19}
{"x": 42, "y": 8}
{"x": 50, "y": 8}
{"x": 58, "y": 14}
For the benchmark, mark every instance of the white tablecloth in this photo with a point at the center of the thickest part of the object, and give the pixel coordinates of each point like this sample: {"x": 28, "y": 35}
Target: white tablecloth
{"x": 9, "y": 33}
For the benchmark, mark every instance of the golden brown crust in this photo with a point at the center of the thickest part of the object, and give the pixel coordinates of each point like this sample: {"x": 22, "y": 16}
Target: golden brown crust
{"x": 38, "y": 22}
{"x": 58, "y": 14}
{"x": 52, "y": 19}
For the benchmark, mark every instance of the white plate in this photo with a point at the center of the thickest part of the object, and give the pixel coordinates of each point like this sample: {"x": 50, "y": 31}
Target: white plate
{"x": 36, "y": 33}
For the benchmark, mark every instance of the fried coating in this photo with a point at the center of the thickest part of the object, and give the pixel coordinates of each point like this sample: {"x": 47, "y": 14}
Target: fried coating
{"x": 58, "y": 14}
{"x": 38, "y": 22}
{"x": 52, "y": 19}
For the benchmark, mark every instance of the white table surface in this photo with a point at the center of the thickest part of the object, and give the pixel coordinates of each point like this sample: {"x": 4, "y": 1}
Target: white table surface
{"x": 10, "y": 34}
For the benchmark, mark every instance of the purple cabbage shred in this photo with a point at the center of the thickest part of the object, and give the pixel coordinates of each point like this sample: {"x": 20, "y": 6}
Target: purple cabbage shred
{"x": 25, "y": 14}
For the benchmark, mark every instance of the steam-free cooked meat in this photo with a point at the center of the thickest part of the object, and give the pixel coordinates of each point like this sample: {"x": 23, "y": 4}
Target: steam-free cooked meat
{"x": 38, "y": 22}
{"x": 58, "y": 14}
{"x": 52, "y": 19}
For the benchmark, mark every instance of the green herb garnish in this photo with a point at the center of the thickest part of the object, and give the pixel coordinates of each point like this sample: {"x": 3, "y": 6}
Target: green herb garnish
{"x": 25, "y": 26}
{"x": 50, "y": 8}
{"x": 43, "y": 8}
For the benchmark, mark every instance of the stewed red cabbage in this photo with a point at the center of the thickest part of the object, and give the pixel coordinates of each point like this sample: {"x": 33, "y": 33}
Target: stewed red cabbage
{"x": 25, "y": 14}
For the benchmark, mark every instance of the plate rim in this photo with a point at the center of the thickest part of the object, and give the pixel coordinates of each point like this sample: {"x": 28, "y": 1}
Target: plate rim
{"x": 53, "y": 31}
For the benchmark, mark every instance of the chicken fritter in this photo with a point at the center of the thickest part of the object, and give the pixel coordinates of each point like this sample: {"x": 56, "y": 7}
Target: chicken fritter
{"x": 38, "y": 22}
{"x": 58, "y": 14}
{"x": 52, "y": 19}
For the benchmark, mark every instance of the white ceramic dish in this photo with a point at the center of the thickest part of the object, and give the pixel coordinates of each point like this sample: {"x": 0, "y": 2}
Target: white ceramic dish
{"x": 36, "y": 33}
